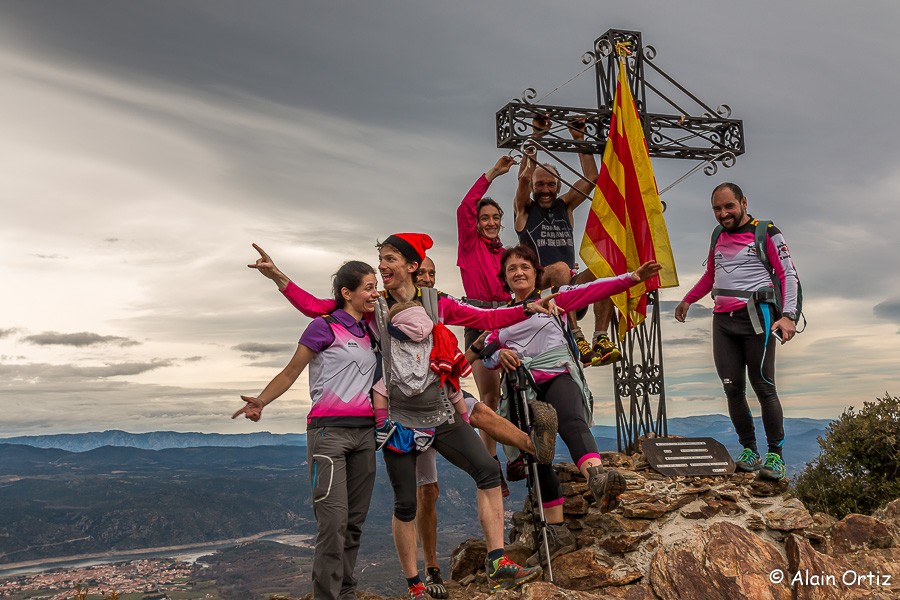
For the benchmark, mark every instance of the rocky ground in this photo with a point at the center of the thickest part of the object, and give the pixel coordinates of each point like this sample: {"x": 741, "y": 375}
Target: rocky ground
{"x": 724, "y": 537}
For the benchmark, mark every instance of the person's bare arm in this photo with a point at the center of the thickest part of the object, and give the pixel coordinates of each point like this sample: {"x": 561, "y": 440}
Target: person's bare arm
{"x": 540, "y": 125}
{"x": 522, "y": 202}
{"x": 279, "y": 385}
{"x": 582, "y": 189}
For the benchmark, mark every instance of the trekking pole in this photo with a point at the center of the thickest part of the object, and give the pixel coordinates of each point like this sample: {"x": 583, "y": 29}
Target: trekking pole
{"x": 518, "y": 383}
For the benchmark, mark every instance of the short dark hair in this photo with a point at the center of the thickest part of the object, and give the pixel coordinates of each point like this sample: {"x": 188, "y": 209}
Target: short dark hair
{"x": 382, "y": 245}
{"x": 349, "y": 276}
{"x": 735, "y": 189}
{"x": 525, "y": 253}
{"x": 486, "y": 201}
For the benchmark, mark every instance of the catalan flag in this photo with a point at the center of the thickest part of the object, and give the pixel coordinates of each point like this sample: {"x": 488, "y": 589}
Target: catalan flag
{"x": 625, "y": 227}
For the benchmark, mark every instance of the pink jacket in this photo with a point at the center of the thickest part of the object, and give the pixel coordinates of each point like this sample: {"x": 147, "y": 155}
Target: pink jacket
{"x": 478, "y": 264}
{"x": 450, "y": 311}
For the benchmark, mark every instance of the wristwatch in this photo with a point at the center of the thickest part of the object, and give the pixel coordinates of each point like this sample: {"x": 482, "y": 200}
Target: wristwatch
{"x": 790, "y": 315}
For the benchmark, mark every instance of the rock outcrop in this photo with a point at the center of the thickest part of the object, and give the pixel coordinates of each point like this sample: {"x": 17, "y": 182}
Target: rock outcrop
{"x": 715, "y": 538}
{"x": 722, "y": 537}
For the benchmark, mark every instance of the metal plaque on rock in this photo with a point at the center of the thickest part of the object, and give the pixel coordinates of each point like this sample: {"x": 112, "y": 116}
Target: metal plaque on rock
{"x": 688, "y": 456}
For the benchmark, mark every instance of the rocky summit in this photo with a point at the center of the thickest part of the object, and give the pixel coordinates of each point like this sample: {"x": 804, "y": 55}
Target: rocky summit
{"x": 687, "y": 538}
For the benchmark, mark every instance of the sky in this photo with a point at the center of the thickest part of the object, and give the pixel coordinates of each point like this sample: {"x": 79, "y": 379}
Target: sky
{"x": 147, "y": 145}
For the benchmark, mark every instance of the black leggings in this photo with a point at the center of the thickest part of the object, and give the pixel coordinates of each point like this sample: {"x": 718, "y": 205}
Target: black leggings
{"x": 460, "y": 445}
{"x": 564, "y": 394}
{"x": 739, "y": 352}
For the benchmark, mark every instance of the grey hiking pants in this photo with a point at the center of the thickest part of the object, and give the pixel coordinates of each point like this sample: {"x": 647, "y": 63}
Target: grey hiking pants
{"x": 341, "y": 475}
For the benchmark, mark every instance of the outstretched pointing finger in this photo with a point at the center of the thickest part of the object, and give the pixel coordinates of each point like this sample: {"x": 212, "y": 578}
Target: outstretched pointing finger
{"x": 262, "y": 253}
{"x": 263, "y": 260}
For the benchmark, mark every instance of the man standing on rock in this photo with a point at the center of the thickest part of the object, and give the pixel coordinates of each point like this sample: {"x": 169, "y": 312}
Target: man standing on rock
{"x": 756, "y": 289}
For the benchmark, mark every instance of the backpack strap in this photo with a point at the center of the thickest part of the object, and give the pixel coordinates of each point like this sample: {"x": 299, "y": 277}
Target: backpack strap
{"x": 429, "y": 297}
{"x": 381, "y": 321}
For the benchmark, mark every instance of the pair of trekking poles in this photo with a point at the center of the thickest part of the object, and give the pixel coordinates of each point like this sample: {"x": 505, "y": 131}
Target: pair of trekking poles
{"x": 518, "y": 383}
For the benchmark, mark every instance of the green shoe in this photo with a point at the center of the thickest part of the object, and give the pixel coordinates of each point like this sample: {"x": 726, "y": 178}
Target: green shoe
{"x": 773, "y": 467}
{"x": 748, "y": 461}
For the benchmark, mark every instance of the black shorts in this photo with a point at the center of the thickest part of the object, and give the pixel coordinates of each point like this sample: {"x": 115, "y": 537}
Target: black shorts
{"x": 470, "y": 336}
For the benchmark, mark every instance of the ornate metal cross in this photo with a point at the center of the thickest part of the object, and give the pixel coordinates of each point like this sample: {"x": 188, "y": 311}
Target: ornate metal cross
{"x": 710, "y": 136}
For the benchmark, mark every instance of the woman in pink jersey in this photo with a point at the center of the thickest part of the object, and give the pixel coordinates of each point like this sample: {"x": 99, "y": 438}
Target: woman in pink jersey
{"x": 541, "y": 345}
{"x": 478, "y": 257}
{"x": 340, "y": 425}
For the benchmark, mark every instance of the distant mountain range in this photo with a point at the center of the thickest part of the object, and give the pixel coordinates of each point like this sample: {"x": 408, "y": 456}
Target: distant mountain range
{"x": 800, "y": 448}
{"x": 155, "y": 440}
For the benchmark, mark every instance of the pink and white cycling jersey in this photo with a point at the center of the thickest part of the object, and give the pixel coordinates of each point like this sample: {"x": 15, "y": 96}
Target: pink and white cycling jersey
{"x": 733, "y": 264}
{"x": 341, "y": 373}
{"x": 541, "y": 332}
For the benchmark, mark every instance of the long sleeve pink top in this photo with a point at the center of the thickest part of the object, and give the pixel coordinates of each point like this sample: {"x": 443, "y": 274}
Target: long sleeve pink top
{"x": 478, "y": 264}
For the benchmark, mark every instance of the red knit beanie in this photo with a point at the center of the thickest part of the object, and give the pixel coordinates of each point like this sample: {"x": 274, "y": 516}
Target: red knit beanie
{"x": 411, "y": 245}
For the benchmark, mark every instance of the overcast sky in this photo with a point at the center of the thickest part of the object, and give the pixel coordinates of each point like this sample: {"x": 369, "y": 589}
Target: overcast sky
{"x": 146, "y": 145}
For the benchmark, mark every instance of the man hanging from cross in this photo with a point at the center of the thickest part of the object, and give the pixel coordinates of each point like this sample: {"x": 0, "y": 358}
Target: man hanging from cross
{"x": 544, "y": 222}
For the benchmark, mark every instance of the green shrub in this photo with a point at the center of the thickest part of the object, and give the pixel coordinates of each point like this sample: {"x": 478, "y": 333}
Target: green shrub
{"x": 858, "y": 469}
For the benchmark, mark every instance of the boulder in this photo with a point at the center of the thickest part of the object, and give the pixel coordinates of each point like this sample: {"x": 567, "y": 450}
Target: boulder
{"x": 710, "y": 508}
{"x": 725, "y": 562}
{"x": 617, "y": 534}
{"x": 859, "y": 532}
{"x": 587, "y": 570}
{"x": 768, "y": 487}
{"x": 817, "y": 576}
{"x": 789, "y": 516}
{"x": 467, "y": 558}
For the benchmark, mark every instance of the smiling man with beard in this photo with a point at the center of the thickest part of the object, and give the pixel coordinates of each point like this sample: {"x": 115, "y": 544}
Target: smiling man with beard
{"x": 747, "y": 291}
{"x": 544, "y": 222}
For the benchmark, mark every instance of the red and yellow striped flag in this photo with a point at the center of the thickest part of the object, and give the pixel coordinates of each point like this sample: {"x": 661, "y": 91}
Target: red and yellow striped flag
{"x": 625, "y": 227}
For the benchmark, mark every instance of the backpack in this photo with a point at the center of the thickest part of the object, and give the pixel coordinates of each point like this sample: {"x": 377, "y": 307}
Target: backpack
{"x": 429, "y": 298}
{"x": 773, "y": 295}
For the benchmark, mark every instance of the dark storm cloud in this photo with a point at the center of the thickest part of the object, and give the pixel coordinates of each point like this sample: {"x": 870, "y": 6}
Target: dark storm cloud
{"x": 889, "y": 309}
{"x": 405, "y": 68}
{"x": 84, "y": 338}
{"x": 254, "y": 349}
{"x": 48, "y": 372}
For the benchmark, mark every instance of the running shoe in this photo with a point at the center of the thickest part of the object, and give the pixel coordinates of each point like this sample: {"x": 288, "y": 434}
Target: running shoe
{"x": 606, "y": 350}
{"x": 434, "y": 584}
{"x": 504, "y": 488}
{"x": 417, "y": 592}
{"x": 606, "y": 485}
{"x": 747, "y": 461}
{"x": 543, "y": 431}
{"x": 773, "y": 468}
{"x": 509, "y": 575}
{"x": 516, "y": 470}
{"x": 561, "y": 541}
{"x": 588, "y": 356}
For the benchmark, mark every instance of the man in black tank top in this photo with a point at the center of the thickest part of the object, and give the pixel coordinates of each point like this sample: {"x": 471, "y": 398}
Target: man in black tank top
{"x": 544, "y": 223}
